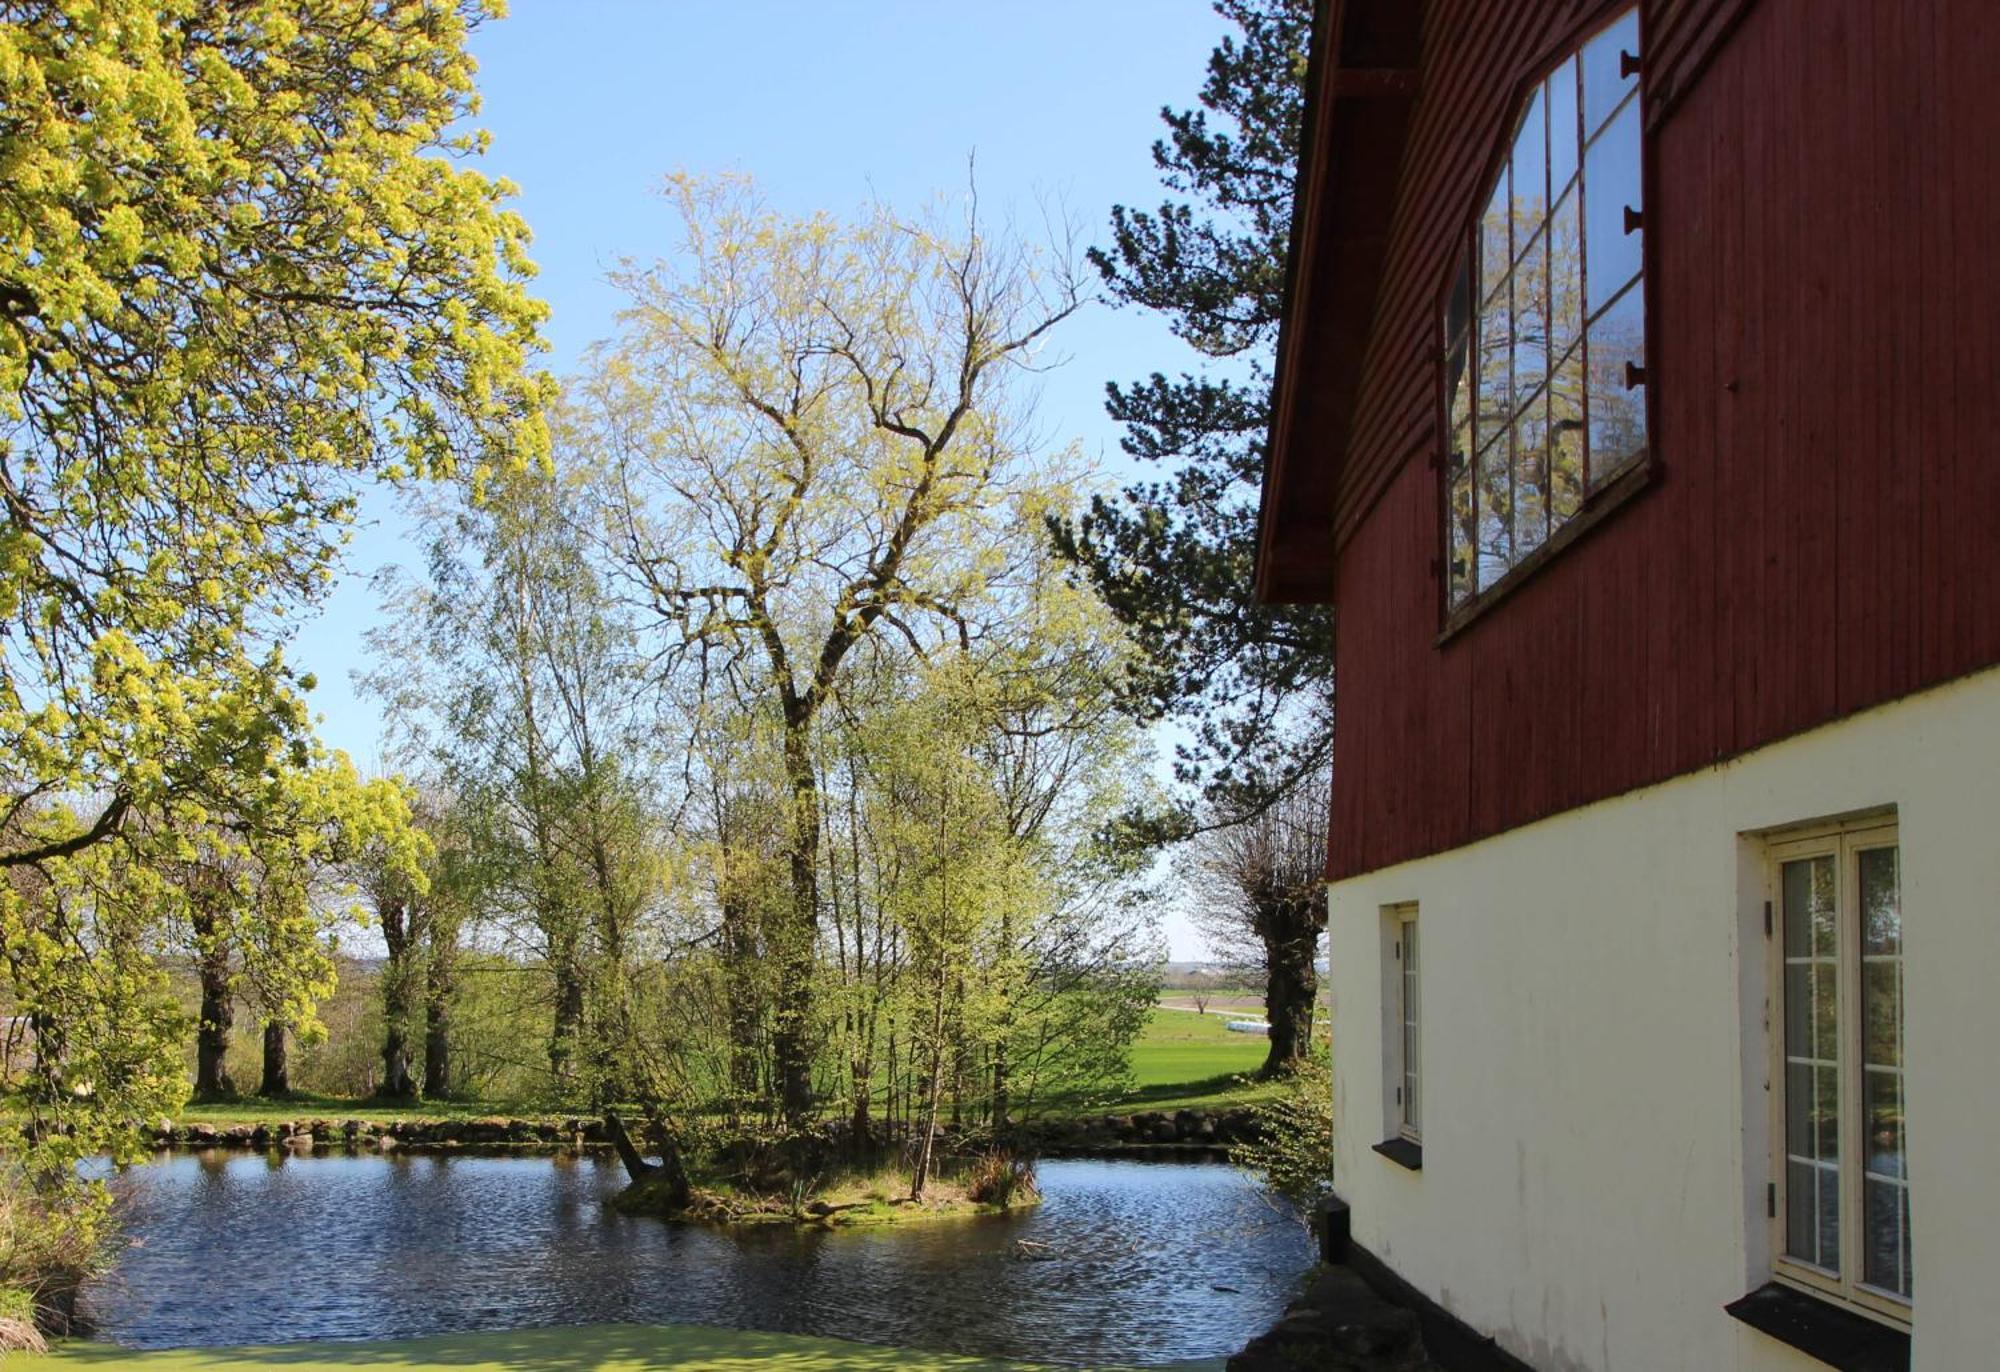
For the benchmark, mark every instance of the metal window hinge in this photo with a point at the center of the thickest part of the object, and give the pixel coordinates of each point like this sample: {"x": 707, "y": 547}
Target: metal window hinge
{"x": 1767, "y": 919}
{"x": 1635, "y": 220}
{"x": 1770, "y": 1200}
{"x": 1628, "y": 64}
{"x": 1399, "y": 950}
{"x": 1399, "y": 1095}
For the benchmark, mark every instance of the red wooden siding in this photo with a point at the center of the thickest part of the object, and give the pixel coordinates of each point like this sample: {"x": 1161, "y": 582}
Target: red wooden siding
{"x": 1824, "y": 530}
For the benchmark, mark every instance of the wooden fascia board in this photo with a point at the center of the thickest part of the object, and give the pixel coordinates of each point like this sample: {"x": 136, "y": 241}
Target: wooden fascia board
{"x": 1332, "y": 276}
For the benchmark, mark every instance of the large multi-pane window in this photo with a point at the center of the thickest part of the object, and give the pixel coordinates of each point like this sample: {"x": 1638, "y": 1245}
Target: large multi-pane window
{"x": 1545, "y": 323}
{"x": 1843, "y": 1191}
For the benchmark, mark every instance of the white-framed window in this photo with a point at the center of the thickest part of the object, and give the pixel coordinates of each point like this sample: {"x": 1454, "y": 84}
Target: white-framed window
{"x": 1544, "y": 320}
{"x": 1409, "y": 1050}
{"x": 1841, "y": 1187}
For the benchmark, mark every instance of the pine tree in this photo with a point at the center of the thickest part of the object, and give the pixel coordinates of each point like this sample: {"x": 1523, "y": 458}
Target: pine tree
{"x": 1175, "y": 556}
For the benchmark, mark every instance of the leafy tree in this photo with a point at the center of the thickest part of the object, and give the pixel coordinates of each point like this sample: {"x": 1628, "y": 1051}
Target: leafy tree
{"x": 1175, "y": 556}
{"x": 1262, "y": 886}
{"x": 813, "y": 439}
{"x": 510, "y": 685}
{"x": 243, "y": 268}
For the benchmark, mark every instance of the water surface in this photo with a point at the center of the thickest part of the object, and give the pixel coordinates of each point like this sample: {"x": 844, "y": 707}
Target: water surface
{"x": 1127, "y": 1261}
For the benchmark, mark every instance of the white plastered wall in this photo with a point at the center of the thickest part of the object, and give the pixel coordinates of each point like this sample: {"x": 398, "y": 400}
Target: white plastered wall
{"x": 1596, "y": 1123}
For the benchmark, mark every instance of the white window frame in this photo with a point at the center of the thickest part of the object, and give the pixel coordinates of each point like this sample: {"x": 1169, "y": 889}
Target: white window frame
{"x": 1844, "y": 842}
{"x": 1407, "y": 1052}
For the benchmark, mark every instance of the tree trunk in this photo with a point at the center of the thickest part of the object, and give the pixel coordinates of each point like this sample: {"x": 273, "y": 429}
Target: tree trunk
{"x": 218, "y": 1015}
{"x": 568, "y": 1032}
{"x": 1292, "y": 983}
{"x": 396, "y": 1080}
{"x": 437, "y": 1047}
{"x": 1000, "y": 1101}
{"x": 791, "y": 1040}
{"x": 739, "y": 973}
{"x": 440, "y": 988}
{"x": 277, "y": 1079}
{"x": 636, "y": 1167}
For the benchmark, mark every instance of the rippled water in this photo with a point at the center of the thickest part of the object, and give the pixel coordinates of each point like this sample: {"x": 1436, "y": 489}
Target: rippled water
{"x": 1138, "y": 1262}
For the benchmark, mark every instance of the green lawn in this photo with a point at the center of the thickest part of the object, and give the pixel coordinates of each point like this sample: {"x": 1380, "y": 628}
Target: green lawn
{"x": 1185, "y": 1061}
{"x": 591, "y": 1348}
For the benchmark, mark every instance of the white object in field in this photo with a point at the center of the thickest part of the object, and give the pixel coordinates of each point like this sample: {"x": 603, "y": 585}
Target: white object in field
{"x": 1247, "y": 1026}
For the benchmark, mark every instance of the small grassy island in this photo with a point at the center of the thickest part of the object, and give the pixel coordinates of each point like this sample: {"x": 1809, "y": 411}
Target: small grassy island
{"x": 993, "y": 1184}
{"x": 828, "y": 1176}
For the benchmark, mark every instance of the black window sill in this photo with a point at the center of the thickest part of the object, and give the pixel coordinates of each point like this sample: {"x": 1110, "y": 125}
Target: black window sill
{"x": 1821, "y": 1329}
{"x": 1403, "y": 1152}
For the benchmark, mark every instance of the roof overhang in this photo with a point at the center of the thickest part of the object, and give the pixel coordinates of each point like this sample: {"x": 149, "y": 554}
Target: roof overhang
{"x": 1362, "y": 85}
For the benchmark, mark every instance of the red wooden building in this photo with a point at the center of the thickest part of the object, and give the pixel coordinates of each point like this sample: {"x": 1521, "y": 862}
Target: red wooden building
{"x": 1636, "y": 410}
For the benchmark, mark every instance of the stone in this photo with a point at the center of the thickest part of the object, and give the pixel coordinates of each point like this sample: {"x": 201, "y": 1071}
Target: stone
{"x": 299, "y": 1143}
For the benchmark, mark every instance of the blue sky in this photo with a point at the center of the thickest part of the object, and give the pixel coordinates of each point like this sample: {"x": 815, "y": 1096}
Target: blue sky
{"x": 826, "y": 103}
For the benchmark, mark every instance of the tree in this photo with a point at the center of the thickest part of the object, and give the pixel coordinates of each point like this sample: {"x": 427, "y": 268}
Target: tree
{"x": 511, "y": 686}
{"x": 1262, "y": 886}
{"x": 1175, "y": 557}
{"x": 242, "y": 269}
{"x": 811, "y": 439}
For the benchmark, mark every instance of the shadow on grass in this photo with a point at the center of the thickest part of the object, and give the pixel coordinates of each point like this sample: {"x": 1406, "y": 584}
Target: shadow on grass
{"x": 590, "y": 1348}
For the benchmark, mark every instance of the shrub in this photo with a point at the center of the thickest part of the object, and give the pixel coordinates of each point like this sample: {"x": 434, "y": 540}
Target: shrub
{"x": 54, "y": 1236}
{"x": 1001, "y": 1178}
{"x": 1292, "y": 1153}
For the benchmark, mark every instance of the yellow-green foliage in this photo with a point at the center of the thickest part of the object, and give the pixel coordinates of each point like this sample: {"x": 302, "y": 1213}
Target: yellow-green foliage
{"x": 243, "y": 266}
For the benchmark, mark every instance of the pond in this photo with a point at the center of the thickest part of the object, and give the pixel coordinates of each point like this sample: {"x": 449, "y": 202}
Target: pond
{"x": 1129, "y": 1261}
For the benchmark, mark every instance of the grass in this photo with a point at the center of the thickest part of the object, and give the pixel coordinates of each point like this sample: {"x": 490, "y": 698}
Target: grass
{"x": 591, "y": 1348}
{"x": 1185, "y": 1061}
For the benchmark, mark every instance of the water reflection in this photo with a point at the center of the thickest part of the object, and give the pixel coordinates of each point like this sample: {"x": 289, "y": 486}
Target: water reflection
{"x": 1138, "y": 1262}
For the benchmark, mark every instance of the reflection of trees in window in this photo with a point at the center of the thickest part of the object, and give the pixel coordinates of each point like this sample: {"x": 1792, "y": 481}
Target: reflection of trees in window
{"x": 1545, "y": 325}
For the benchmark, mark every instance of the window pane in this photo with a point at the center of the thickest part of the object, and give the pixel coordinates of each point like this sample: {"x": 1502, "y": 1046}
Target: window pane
{"x": 1531, "y": 441}
{"x": 1565, "y": 272}
{"x": 1611, "y": 183}
{"x": 1531, "y": 317}
{"x": 1883, "y": 1119}
{"x": 1881, "y": 904}
{"x": 1798, "y": 1109}
{"x": 1798, "y": 1009}
{"x": 1798, "y": 882}
{"x": 1801, "y": 1204}
{"x": 1462, "y": 529}
{"x": 1810, "y": 930}
{"x": 1825, "y": 989}
{"x": 1496, "y": 511}
{"x": 1564, "y": 138}
{"x": 1495, "y": 241}
{"x": 1603, "y": 86}
{"x": 1617, "y": 410}
{"x": 1529, "y": 166}
{"x": 1885, "y": 1235}
{"x": 1882, "y": 1012}
{"x": 1566, "y": 439}
{"x": 1827, "y": 1182}
{"x": 1495, "y": 380}
{"x": 1826, "y": 1114}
